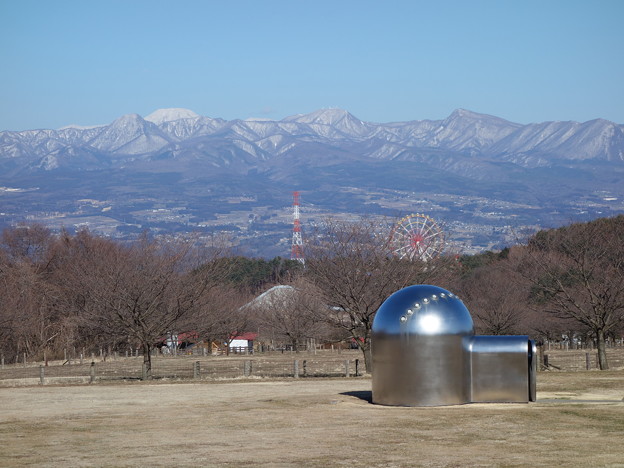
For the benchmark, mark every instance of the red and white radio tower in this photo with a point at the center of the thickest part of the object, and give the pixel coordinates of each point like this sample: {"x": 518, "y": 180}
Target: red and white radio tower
{"x": 297, "y": 240}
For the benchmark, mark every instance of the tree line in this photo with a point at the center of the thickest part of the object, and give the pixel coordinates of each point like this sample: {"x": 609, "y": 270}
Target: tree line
{"x": 62, "y": 290}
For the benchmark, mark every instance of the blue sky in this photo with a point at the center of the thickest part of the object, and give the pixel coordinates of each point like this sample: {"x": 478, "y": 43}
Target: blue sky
{"x": 89, "y": 62}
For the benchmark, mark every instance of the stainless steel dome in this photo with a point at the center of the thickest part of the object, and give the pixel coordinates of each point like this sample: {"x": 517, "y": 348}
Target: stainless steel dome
{"x": 425, "y": 354}
{"x": 423, "y": 310}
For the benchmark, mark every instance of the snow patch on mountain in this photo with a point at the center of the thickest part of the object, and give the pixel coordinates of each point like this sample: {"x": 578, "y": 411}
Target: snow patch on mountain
{"x": 169, "y": 115}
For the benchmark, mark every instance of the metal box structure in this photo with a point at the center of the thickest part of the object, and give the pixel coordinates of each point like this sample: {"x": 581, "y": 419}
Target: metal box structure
{"x": 425, "y": 353}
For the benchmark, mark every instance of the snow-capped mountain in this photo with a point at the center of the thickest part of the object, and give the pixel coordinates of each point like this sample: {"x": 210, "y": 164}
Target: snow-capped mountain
{"x": 169, "y": 115}
{"x": 174, "y": 133}
{"x": 129, "y": 134}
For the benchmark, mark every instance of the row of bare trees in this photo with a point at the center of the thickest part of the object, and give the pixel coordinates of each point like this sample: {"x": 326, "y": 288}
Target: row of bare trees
{"x": 81, "y": 290}
{"x": 566, "y": 282}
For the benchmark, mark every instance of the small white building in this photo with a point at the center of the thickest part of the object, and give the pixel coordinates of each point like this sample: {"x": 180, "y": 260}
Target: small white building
{"x": 243, "y": 342}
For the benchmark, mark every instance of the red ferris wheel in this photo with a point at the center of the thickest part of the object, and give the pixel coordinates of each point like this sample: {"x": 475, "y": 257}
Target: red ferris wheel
{"x": 416, "y": 237}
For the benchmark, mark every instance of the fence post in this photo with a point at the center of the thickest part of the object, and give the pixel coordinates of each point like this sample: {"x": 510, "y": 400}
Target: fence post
{"x": 196, "y": 370}
{"x": 24, "y": 359}
{"x": 346, "y": 363}
{"x": 545, "y": 360}
{"x": 92, "y": 373}
{"x": 144, "y": 371}
{"x": 41, "y": 375}
{"x": 305, "y": 368}
{"x": 357, "y": 365}
{"x": 296, "y": 369}
{"x": 587, "y": 361}
{"x": 247, "y": 369}
{"x": 2, "y": 360}
{"x": 81, "y": 358}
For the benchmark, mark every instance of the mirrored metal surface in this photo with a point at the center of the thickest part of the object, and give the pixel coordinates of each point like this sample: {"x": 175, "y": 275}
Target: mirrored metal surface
{"x": 499, "y": 366}
{"x": 425, "y": 353}
{"x": 423, "y": 310}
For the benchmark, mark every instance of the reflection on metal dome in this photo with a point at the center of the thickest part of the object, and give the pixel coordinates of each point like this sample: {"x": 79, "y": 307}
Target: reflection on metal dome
{"x": 433, "y": 312}
{"x": 425, "y": 353}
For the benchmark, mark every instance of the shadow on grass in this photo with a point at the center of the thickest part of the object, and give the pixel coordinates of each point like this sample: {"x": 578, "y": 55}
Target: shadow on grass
{"x": 365, "y": 395}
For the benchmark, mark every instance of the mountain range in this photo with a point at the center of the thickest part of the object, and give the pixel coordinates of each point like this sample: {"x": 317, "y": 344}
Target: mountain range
{"x": 181, "y": 134}
{"x": 175, "y": 158}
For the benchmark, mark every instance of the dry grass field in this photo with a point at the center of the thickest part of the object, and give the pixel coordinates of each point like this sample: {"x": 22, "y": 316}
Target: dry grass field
{"x": 578, "y": 420}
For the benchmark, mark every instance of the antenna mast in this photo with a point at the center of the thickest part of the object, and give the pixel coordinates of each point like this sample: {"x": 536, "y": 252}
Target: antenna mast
{"x": 297, "y": 240}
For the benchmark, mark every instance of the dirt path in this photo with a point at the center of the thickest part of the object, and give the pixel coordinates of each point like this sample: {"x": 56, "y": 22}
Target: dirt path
{"x": 301, "y": 423}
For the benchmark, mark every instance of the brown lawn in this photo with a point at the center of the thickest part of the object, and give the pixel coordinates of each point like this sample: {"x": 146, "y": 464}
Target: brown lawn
{"x": 578, "y": 420}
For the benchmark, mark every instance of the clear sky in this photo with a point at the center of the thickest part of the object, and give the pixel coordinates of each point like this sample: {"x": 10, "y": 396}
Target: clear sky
{"x": 89, "y": 62}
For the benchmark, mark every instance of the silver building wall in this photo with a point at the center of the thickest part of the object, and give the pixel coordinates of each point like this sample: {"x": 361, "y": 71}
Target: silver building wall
{"x": 425, "y": 353}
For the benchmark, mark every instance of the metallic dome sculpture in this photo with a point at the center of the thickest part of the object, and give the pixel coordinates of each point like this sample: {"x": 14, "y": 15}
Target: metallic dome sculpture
{"x": 416, "y": 237}
{"x": 425, "y": 353}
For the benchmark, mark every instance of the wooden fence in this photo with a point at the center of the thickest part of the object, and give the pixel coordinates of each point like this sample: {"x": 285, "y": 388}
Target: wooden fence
{"x": 343, "y": 363}
{"x": 581, "y": 359}
{"x": 289, "y": 365}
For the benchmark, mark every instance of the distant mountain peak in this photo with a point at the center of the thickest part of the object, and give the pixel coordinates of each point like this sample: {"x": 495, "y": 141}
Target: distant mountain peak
{"x": 168, "y": 115}
{"x": 465, "y": 113}
{"x": 126, "y": 122}
{"x": 468, "y": 114}
{"x": 328, "y": 116}
{"x": 460, "y": 118}
{"x": 128, "y": 118}
{"x": 81, "y": 127}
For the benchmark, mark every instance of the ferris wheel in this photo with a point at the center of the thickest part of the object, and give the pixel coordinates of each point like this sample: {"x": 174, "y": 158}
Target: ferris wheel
{"x": 416, "y": 237}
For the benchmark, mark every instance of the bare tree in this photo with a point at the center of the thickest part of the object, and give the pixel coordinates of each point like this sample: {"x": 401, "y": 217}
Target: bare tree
{"x": 290, "y": 312}
{"x": 28, "y": 242}
{"x": 222, "y": 315}
{"x": 31, "y": 313}
{"x": 578, "y": 274}
{"x": 497, "y": 298}
{"x": 141, "y": 291}
{"x": 352, "y": 268}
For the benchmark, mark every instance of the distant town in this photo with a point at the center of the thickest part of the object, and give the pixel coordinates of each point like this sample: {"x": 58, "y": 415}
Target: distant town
{"x": 471, "y": 224}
